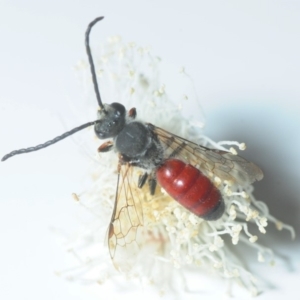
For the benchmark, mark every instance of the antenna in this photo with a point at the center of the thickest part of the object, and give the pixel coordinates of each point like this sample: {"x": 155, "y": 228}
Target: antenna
{"x": 76, "y": 129}
{"x": 49, "y": 143}
{"x": 89, "y": 54}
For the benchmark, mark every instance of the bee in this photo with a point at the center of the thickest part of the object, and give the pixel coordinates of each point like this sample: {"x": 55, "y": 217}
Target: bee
{"x": 182, "y": 168}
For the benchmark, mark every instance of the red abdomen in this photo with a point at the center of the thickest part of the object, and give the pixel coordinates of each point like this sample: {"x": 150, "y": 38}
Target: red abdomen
{"x": 191, "y": 189}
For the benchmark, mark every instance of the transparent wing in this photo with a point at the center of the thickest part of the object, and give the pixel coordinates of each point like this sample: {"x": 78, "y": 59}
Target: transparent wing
{"x": 126, "y": 219}
{"x": 222, "y": 164}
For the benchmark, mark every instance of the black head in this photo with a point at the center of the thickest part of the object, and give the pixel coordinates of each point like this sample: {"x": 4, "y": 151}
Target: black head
{"x": 111, "y": 120}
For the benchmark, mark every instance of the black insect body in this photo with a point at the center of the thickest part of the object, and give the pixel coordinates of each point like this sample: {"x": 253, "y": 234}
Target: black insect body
{"x": 136, "y": 142}
{"x": 181, "y": 167}
{"x": 140, "y": 146}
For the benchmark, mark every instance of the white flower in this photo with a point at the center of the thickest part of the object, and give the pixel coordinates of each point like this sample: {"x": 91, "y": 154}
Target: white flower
{"x": 172, "y": 237}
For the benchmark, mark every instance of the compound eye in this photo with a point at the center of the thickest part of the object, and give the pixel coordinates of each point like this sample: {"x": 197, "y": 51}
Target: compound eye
{"x": 119, "y": 109}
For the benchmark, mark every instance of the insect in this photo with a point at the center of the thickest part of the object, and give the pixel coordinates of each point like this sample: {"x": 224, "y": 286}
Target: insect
{"x": 179, "y": 166}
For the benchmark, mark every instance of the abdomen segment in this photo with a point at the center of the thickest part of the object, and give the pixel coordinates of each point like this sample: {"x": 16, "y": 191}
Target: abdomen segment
{"x": 187, "y": 185}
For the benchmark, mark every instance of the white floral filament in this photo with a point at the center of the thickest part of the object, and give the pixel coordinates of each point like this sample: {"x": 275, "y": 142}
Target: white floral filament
{"x": 172, "y": 236}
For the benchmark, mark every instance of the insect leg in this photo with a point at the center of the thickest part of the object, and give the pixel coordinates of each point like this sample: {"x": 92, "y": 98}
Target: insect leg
{"x": 152, "y": 184}
{"x": 142, "y": 180}
{"x": 105, "y": 147}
